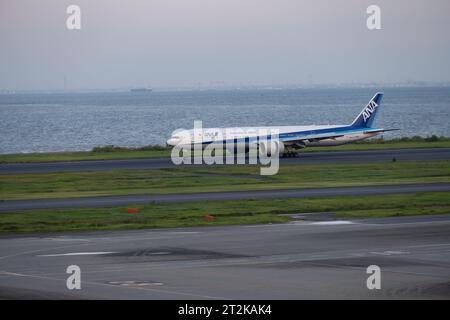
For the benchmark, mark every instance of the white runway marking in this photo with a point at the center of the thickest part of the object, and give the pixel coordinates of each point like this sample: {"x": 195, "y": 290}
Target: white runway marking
{"x": 64, "y": 239}
{"x": 185, "y": 232}
{"x": 388, "y": 253}
{"x": 5, "y": 273}
{"x": 330, "y": 223}
{"x": 74, "y": 254}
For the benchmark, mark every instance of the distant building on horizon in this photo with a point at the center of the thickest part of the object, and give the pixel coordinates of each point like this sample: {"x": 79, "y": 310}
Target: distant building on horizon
{"x": 140, "y": 90}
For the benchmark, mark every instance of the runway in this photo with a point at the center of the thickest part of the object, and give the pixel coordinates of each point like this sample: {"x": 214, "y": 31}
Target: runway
{"x": 332, "y": 157}
{"x": 299, "y": 260}
{"x": 122, "y": 200}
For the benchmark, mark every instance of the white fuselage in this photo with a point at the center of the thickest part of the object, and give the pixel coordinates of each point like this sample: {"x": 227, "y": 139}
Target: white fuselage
{"x": 207, "y": 136}
{"x": 287, "y": 137}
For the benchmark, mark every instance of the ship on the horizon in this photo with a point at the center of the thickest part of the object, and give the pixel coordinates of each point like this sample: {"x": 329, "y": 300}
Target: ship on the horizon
{"x": 140, "y": 90}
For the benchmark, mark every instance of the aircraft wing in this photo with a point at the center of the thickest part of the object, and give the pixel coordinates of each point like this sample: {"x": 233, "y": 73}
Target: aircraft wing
{"x": 379, "y": 130}
{"x": 320, "y": 136}
{"x": 328, "y": 135}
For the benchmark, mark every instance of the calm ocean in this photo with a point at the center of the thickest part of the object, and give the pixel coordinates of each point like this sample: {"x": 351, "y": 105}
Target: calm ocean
{"x": 81, "y": 121}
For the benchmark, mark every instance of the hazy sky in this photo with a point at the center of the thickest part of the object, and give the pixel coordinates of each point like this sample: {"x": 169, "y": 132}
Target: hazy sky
{"x": 166, "y": 43}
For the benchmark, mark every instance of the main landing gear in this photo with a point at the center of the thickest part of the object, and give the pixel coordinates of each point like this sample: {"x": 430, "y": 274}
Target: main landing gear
{"x": 290, "y": 154}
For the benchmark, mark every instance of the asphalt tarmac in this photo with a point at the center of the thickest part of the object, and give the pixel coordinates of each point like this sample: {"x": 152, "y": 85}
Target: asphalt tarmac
{"x": 319, "y": 258}
{"x": 123, "y": 200}
{"x": 305, "y": 158}
{"x": 298, "y": 260}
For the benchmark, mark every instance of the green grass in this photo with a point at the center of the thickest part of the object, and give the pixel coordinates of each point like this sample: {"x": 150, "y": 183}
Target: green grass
{"x": 81, "y": 156}
{"x": 220, "y": 178}
{"x": 112, "y": 152}
{"x": 385, "y": 145}
{"x": 225, "y": 212}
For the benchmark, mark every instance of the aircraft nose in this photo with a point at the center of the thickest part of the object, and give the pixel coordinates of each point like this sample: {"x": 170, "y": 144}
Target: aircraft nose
{"x": 173, "y": 141}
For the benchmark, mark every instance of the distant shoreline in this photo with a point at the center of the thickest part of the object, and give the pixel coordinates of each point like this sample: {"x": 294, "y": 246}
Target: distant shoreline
{"x": 249, "y": 87}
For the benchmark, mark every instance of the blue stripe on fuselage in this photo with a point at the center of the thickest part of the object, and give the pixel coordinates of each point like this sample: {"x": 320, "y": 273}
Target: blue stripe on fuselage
{"x": 299, "y": 135}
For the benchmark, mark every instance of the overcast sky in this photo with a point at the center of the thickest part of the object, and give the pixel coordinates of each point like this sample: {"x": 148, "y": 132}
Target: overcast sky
{"x": 170, "y": 43}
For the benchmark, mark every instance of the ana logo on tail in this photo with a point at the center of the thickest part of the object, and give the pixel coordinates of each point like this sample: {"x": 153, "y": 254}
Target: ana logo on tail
{"x": 369, "y": 110}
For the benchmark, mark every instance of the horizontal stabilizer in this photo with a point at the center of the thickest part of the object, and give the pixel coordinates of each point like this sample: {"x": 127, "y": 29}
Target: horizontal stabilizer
{"x": 380, "y": 130}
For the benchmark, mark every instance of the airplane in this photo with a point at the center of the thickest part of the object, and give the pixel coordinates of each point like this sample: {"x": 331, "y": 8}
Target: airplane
{"x": 291, "y": 139}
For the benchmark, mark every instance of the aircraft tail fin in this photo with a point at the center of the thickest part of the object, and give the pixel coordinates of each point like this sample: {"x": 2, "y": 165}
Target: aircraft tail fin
{"x": 366, "y": 119}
